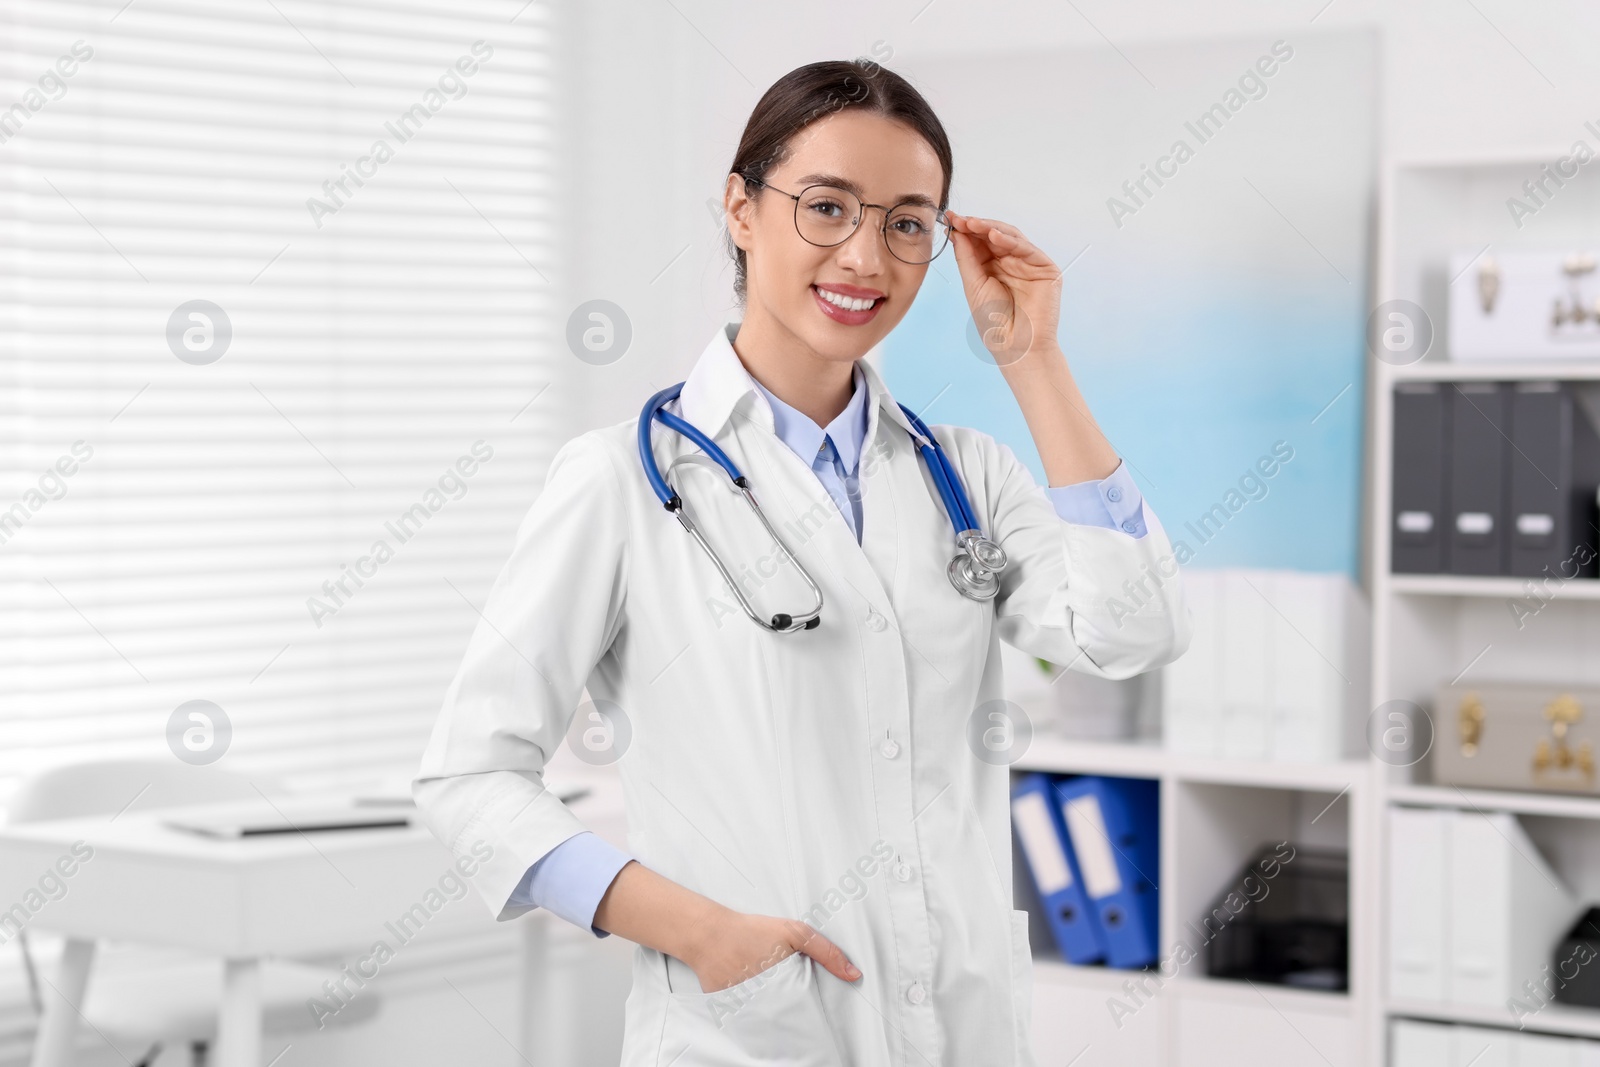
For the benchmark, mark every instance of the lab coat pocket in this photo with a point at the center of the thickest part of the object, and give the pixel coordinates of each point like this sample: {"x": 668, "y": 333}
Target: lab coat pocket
{"x": 1022, "y": 987}
{"x": 773, "y": 1017}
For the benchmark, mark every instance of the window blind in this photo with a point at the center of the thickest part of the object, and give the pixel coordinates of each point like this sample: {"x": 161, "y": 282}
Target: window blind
{"x": 274, "y": 317}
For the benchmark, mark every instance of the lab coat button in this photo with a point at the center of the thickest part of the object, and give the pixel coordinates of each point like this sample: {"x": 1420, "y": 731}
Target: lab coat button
{"x": 890, "y": 749}
{"x": 916, "y": 994}
{"x": 876, "y": 622}
{"x": 902, "y": 871}
{"x": 1114, "y": 494}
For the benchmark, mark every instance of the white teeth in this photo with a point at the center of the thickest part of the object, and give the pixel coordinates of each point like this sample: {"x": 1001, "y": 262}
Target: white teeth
{"x": 844, "y": 301}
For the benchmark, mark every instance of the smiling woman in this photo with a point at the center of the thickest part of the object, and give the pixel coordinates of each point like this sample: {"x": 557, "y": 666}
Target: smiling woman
{"x": 761, "y": 760}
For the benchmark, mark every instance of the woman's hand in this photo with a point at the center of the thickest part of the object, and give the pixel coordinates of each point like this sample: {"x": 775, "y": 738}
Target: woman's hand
{"x": 722, "y": 946}
{"x": 737, "y": 946}
{"x": 1013, "y": 288}
{"x": 1014, "y": 291}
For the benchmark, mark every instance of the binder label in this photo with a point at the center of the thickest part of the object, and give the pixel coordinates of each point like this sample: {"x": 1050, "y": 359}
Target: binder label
{"x": 1536, "y": 525}
{"x": 1087, "y": 826}
{"x": 1031, "y": 817}
{"x": 1415, "y": 522}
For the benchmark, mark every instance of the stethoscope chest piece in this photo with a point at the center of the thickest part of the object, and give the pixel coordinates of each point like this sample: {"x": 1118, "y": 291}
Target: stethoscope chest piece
{"x": 975, "y": 568}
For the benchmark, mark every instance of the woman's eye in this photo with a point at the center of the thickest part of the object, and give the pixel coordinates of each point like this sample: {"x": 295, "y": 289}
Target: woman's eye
{"x": 827, "y": 208}
{"x": 908, "y": 226}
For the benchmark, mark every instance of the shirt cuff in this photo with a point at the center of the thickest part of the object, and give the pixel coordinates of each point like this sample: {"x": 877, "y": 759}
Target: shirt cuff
{"x": 1113, "y": 501}
{"x": 570, "y": 879}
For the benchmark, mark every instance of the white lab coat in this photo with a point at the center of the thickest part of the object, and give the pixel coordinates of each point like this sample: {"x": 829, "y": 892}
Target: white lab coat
{"x": 825, "y": 774}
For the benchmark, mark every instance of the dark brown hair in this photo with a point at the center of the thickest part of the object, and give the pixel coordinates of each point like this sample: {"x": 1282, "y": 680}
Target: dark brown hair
{"x": 812, "y": 92}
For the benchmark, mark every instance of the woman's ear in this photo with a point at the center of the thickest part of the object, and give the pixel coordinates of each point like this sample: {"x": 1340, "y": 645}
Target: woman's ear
{"x": 737, "y": 207}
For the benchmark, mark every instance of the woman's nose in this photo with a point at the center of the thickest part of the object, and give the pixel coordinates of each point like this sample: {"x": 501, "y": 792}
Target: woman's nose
{"x": 865, "y": 249}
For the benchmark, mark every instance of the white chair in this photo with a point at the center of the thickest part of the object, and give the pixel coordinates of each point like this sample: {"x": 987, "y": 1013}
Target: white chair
{"x": 140, "y": 998}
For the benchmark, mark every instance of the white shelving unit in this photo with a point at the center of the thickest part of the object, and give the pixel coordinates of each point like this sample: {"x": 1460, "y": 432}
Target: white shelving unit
{"x": 1215, "y": 814}
{"x": 1432, "y": 629}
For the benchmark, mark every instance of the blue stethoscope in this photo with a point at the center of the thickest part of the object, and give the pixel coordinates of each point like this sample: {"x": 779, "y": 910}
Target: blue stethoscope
{"x": 974, "y": 569}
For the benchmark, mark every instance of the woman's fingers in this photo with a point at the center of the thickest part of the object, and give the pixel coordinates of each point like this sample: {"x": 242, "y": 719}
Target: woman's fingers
{"x": 971, "y": 254}
{"x": 982, "y": 235}
{"x": 1000, "y": 239}
{"x": 978, "y": 225}
{"x": 806, "y": 939}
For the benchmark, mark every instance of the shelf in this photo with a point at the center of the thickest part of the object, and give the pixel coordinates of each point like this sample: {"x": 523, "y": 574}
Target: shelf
{"x": 1479, "y": 161}
{"x": 1256, "y": 993}
{"x": 1051, "y": 970}
{"x": 1554, "y": 1019}
{"x": 1274, "y": 774}
{"x": 1576, "y": 369}
{"x": 1059, "y": 755}
{"x": 1493, "y": 587}
{"x": 1563, "y": 805}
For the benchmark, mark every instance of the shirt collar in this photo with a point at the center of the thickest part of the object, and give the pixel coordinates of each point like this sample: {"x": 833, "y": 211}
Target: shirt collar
{"x": 797, "y": 430}
{"x": 719, "y": 386}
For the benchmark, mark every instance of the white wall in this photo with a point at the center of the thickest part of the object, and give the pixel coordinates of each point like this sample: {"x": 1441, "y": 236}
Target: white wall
{"x": 661, "y": 91}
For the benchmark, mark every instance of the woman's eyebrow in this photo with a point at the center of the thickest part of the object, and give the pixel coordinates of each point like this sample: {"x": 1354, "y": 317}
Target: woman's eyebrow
{"x": 835, "y": 180}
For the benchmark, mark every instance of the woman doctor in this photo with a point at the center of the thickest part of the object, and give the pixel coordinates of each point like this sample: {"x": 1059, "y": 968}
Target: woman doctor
{"x": 819, "y": 866}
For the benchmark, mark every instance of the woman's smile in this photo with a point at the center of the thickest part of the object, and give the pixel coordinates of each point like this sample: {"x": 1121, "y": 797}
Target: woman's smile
{"x": 849, "y": 305}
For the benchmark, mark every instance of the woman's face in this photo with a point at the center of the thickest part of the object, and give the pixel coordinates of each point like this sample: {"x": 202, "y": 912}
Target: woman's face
{"x": 883, "y": 162}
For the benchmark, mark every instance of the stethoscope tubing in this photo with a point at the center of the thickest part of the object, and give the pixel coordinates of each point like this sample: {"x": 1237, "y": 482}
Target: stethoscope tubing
{"x": 972, "y": 570}
{"x": 951, "y": 491}
{"x": 954, "y": 495}
{"x": 654, "y": 409}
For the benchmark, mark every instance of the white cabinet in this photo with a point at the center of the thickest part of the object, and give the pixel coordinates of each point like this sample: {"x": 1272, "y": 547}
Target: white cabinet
{"x": 1273, "y": 1031}
{"x": 1074, "y": 1021}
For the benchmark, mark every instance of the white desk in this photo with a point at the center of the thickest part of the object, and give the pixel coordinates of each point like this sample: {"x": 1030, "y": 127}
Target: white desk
{"x": 289, "y": 895}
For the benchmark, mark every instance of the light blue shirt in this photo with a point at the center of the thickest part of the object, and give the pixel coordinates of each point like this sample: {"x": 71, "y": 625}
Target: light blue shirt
{"x": 571, "y": 878}
{"x": 834, "y": 452}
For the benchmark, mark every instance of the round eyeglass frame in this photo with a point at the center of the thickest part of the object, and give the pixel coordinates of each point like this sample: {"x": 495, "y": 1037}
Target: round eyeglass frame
{"x": 939, "y": 216}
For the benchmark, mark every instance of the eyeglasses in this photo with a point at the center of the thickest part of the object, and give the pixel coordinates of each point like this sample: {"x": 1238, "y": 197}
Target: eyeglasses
{"x": 826, "y": 215}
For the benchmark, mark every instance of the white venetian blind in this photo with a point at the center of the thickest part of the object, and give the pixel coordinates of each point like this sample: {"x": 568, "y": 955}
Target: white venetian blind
{"x": 360, "y": 191}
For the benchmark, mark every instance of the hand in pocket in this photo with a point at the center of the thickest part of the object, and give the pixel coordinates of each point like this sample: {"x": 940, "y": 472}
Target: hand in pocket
{"x": 739, "y": 947}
